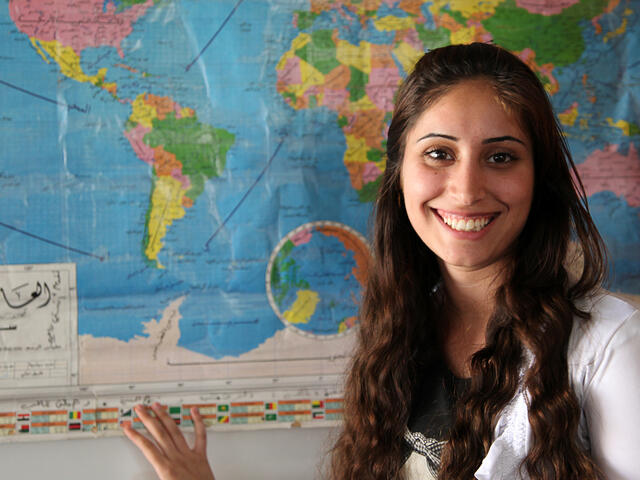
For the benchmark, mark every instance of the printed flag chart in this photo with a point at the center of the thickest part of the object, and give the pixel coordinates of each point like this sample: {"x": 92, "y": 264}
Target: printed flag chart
{"x": 186, "y": 188}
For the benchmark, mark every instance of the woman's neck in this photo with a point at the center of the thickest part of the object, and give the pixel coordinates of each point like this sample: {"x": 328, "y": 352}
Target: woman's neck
{"x": 469, "y": 303}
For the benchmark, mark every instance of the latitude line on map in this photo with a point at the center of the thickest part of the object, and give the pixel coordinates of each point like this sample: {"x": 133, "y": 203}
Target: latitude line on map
{"x": 224, "y": 23}
{"x": 51, "y": 242}
{"x": 298, "y": 359}
{"x": 41, "y": 97}
{"x": 221, "y": 226}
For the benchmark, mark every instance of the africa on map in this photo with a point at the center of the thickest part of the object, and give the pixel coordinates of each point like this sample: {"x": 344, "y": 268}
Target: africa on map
{"x": 202, "y": 174}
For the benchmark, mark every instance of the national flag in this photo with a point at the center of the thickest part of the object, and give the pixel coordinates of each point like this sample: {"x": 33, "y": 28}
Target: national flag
{"x": 317, "y": 404}
{"x": 223, "y": 408}
{"x": 223, "y": 419}
{"x": 318, "y": 415}
{"x": 24, "y": 428}
{"x": 75, "y": 426}
{"x": 75, "y": 415}
{"x": 270, "y": 406}
{"x": 271, "y": 417}
{"x": 174, "y": 412}
{"x": 23, "y": 417}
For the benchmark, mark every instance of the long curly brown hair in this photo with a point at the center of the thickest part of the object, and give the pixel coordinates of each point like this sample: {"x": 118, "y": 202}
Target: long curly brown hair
{"x": 535, "y": 306}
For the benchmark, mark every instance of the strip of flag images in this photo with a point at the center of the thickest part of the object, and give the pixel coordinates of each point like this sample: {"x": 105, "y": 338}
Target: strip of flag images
{"x": 108, "y": 417}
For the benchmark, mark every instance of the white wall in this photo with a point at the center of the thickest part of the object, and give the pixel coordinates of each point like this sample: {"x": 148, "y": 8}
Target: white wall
{"x": 291, "y": 454}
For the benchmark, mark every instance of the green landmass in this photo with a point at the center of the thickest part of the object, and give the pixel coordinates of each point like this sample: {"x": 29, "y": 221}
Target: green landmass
{"x": 374, "y": 155}
{"x": 130, "y": 3}
{"x": 201, "y": 148}
{"x": 369, "y": 191}
{"x": 343, "y": 121}
{"x": 357, "y": 84}
{"x": 290, "y": 96}
{"x": 305, "y": 19}
{"x": 320, "y": 51}
{"x": 555, "y": 39}
{"x": 633, "y": 129}
{"x": 124, "y": 4}
{"x": 433, "y": 38}
{"x": 284, "y": 272}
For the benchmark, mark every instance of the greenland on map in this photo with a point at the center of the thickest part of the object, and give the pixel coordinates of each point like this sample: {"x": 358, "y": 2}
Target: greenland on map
{"x": 206, "y": 170}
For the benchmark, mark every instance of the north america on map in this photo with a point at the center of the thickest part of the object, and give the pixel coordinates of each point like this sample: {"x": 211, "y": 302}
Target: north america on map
{"x": 203, "y": 163}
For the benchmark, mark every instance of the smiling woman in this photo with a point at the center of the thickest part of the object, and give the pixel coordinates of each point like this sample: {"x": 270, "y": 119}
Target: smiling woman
{"x": 479, "y": 355}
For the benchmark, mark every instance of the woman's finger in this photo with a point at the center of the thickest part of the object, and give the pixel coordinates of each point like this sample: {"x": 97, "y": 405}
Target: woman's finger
{"x": 200, "y": 431}
{"x": 156, "y": 429}
{"x": 170, "y": 426}
{"x": 148, "y": 449}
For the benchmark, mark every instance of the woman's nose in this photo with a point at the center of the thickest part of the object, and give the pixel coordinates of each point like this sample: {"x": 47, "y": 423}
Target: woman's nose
{"x": 467, "y": 182}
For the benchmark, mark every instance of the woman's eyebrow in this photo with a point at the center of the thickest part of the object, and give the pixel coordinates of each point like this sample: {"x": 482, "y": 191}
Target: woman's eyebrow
{"x": 441, "y": 135}
{"x": 502, "y": 139}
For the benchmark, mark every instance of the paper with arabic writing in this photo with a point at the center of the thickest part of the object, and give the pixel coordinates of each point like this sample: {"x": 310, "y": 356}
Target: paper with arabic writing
{"x": 38, "y": 326}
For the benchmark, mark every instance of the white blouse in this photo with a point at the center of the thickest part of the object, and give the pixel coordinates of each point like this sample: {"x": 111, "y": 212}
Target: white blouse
{"x": 604, "y": 368}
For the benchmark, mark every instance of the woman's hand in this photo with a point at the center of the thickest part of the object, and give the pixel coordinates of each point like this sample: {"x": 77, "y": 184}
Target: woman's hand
{"x": 170, "y": 455}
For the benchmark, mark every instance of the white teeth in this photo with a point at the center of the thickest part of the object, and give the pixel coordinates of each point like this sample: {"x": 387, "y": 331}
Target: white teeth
{"x": 466, "y": 224}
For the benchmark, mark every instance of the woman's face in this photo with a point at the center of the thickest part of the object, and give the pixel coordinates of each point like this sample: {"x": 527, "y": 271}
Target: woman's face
{"x": 467, "y": 177}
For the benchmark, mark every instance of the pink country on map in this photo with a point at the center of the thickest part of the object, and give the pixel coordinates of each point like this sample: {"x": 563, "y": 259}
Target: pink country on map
{"x": 382, "y": 86}
{"x": 610, "y": 170}
{"x": 78, "y": 24}
{"x": 302, "y": 237}
{"x": 545, "y": 7}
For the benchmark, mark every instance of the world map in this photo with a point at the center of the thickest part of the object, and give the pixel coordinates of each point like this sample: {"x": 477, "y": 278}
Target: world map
{"x": 174, "y": 151}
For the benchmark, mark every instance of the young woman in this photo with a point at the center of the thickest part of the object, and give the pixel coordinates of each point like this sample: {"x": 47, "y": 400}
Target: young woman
{"x": 479, "y": 354}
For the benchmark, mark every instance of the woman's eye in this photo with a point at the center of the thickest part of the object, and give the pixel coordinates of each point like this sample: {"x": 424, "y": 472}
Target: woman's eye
{"x": 501, "y": 158}
{"x": 437, "y": 154}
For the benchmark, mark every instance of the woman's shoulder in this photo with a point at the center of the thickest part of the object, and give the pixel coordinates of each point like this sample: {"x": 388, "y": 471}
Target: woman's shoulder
{"x": 609, "y": 314}
{"x": 613, "y": 322}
